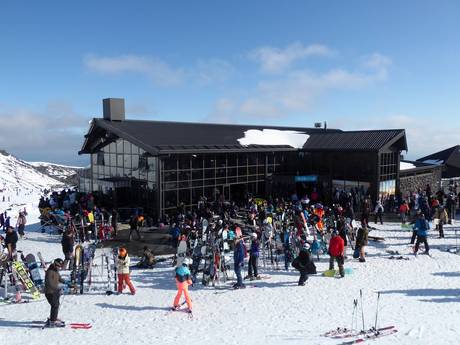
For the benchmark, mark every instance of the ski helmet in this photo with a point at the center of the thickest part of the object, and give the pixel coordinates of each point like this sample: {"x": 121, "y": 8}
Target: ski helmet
{"x": 122, "y": 251}
{"x": 187, "y": 262}
{"x": 254, "y": 235}
{"x": 58, "y": 262}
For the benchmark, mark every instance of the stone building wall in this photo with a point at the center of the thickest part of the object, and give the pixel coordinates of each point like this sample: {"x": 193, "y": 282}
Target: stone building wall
{"x": 411, "y": 182}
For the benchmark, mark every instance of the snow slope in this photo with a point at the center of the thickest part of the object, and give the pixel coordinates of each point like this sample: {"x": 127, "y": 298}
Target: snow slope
{"x": 17, "y": 174}
{"x": 63, "y": 173}
{"x": 420, "y": 296}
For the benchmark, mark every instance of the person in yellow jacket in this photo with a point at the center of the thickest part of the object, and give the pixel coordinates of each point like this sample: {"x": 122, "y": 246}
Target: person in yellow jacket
{"x": 123, "y": 271}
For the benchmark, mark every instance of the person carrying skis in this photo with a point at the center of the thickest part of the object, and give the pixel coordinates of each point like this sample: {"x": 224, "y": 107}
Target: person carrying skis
{"x": 123, "y": 271}
{"x": 183, "y": 280}
{"x": 253, "y": 258}
{"x": 53, "y": 291}
{"x": 239, "y": 254}
{"x": 421, "y": 226}
{"x": 336, "y": 252}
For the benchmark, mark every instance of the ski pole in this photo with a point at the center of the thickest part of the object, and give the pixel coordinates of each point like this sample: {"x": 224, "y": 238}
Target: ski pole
{"x": 377, "y": 311}
{"x": 362, "y": 310}
{"x": 355, "y": 305}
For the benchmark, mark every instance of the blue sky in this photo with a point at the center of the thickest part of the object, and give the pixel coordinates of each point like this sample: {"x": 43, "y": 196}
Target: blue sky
{"x": 354, "y": 64}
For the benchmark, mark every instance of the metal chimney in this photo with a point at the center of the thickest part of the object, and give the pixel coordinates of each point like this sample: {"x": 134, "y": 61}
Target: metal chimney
{"x": 114, "y": 109}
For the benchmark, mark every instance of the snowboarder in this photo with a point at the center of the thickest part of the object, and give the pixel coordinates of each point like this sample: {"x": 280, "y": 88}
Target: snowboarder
{"x": 53, "y": 291}
{"x": 336, "y": 252}
{"x": 239, "y": 254}
{"x": 183, "y": 280}
{"x": 123, "y": 271}
{"x": 148, "y": 259}
{"x": 253, "y": 258}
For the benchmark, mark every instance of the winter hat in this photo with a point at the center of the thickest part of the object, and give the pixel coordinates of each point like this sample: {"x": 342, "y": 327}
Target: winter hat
{"x": 187, "y": 262}
{"x": 122, "y": 251}
{"x": 254, "y": 235}
{"x": 58, "y": 262}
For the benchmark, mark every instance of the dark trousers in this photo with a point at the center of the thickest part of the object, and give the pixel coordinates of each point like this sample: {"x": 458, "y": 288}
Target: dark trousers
{"x": 378, "y": 216}
{"x": 53, "y": 300}
{"x": 414, "y": 235}
{"x": 421, "y": 239}
{"x": 340, "y": 262}
{"x": 137, "y": 232}
{"x": 303, "y": 276}
{"x": 253, "y": 261}
{"x": 239, "y": 278}
{"x": 441, "y": 229}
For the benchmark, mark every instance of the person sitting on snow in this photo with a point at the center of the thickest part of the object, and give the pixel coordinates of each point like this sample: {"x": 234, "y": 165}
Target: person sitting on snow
{"x": 148, "y": 259}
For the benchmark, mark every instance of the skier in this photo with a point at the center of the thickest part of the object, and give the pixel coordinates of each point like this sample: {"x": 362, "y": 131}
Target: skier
{"x": 441, "y": 215}
{"x": 239, "y": 254}
{"x": 123, "y": 271}
{"x": 421, "y": 226}
{"x": 183, "y": 280}
{"x": 21, "y": 224}
{"x": 336, "y": 252}
{"x": 53, "y": 292}
{"x": 253, "y": 258}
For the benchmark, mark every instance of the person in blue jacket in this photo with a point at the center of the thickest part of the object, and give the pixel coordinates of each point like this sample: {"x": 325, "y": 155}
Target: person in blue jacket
{"x": 421, "y": 226}
{"x": 238, "y": 260}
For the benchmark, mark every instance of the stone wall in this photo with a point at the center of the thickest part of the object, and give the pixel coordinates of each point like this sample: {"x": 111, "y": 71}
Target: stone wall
{"x": 411, "y": 182}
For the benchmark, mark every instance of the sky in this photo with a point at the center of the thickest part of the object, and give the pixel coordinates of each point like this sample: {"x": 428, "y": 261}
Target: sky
{"x": 354, "y": 64}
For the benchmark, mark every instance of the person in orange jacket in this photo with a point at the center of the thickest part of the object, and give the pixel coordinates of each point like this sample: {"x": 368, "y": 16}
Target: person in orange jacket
{"x": 336, "y": 252}
{"x": 183, "y": 280}
{"x": 123, "y": 271}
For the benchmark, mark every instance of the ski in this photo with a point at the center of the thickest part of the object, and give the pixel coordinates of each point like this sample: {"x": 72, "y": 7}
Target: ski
{"x": 371, "y": 336}
{"x": 353, "y": 333}
{"x": 81, "y": 325}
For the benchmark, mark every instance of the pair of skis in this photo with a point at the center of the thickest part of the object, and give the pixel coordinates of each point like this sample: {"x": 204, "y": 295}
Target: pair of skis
{"x": 74, "y": 325}
{"x": 363, "y": 335}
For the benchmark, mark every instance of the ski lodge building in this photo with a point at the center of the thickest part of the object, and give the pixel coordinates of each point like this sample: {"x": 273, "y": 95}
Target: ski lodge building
{"x": 159, "y": 165}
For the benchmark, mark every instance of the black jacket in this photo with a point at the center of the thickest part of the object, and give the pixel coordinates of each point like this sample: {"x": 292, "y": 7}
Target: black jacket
{"x": 11, "y": 238}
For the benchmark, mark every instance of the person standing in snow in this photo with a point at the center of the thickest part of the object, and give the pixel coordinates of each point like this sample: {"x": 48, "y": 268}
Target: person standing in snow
{"x": 53, "y": 291}
{"x": 403, "y": 211}
{"x": 183, "y": 280}
{"x": 123, "y": 271}
{"x": 238, "y": 260}
{"x": 421, "y": 226}
{"x": 361, "y": 243}
{"x": 336, "y": 252}
{"x": 253, "y": 258}
{"x": 21, "y": 224}
{"x": 11, "y": 239}
{"x": 68, "y": 242}
{"x": 303, "y": 263}
{"x": 378, "y": 212}
{"x": 441, "y": 215}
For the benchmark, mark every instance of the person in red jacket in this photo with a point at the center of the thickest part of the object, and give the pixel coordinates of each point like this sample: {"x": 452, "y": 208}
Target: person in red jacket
{"x": 336, "y": 251}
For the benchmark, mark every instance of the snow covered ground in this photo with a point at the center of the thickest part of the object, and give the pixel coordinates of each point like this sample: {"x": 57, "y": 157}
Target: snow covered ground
{"x": 420, "y": 296}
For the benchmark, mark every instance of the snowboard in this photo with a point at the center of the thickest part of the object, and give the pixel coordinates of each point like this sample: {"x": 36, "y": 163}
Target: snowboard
{"x": 181, "y": 252}
{"x": 376, "y": 238}
{"x": 20, "y": 269}
{"x": 36, "y": 272}
{"x": 77, "y": 276}
{"x": 333, "y": 273}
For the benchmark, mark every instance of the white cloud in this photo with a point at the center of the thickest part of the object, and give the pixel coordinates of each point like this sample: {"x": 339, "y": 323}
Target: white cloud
{"x": 212, "y": 71}
{"x": 53, "y": 134}
{"x": 379, "y": 63}
{"x": 158, "y": 71}
{"x": 274, "y": 60}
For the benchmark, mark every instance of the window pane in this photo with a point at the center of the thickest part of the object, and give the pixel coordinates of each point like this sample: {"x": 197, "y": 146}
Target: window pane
{"x": 127, "y": 161}
{"x": 126, "y": 147}
{"x": 120, "y": 146}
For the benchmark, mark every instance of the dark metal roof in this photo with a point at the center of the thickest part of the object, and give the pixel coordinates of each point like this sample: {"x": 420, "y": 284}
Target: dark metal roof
{"x": 418, "y": 167}
{"x": 370, "y": 140}
{"x": 158, "y": 137}
{"x": 449, "y": 157}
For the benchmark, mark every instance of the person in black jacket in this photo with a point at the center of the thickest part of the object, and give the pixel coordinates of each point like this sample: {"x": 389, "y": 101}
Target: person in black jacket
{"x": 53, "y": 291}
{"x": 68, "y": 242}
{"x": 11, "y": 239}
{"x": 303, "y": 263}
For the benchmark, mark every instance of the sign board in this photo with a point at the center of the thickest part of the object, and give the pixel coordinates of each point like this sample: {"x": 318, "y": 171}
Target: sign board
{"x": 306, "y": 178}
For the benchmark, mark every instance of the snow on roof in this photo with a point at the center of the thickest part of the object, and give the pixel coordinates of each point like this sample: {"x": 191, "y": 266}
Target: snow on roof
{"x": 406, "y": 166}
{"x": 273, "y": 137}
{"x": 433, "y": 161}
